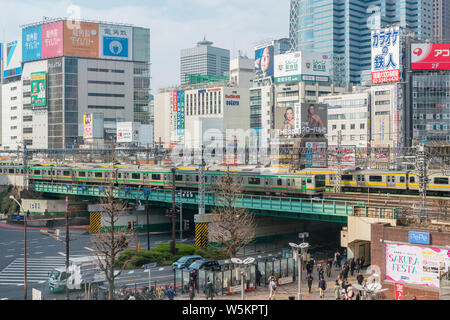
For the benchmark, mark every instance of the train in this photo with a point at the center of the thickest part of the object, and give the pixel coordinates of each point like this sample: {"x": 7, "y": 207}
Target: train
{"x": 269, "y": 181}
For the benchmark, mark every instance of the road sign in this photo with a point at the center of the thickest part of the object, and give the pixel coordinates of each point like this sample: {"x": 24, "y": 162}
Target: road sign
{"x": 150, "y": 266}
{"x": 399, "y": 288}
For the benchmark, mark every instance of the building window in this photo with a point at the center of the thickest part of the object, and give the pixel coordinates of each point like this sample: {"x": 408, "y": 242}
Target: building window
{"x": 353, "y": 126}
{"x": 342, "y": 126}
{"x": 362, "y": 126}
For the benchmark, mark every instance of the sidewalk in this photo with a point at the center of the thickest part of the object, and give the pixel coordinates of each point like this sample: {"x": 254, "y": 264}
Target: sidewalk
{"x": 283, "y": 292}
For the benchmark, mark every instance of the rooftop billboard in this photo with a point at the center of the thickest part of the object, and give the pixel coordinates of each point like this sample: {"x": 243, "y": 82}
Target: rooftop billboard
{"x": 264, "y": 62}
{"x": 83, "y": 41}
{"x": 12, "y": 58}
{"x": 116, "y": 42}
{"x": 32, "y": 43}
{"x": 302, "y": 66}
{"x": 430, "y": 56}
{"x": 386, "y": 63}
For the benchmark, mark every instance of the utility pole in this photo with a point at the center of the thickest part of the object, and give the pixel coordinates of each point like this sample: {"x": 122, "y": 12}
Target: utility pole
{"x": 338, "y": 180}
{"x": 422, "y": 167}
{"x": 147, "y": 209}
{"x": 25, "y": 256}
{"x": 67, "y": 248}
{"x": 181, "y": 215}
{"x": 201, "y": 186}
{"x": 174, "y": 210}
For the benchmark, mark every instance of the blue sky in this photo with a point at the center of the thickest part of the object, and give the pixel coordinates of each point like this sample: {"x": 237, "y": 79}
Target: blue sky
{"x": 175, "y": 24}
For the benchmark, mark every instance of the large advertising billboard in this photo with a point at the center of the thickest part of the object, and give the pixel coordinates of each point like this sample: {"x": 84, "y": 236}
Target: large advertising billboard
{"x": 386, "y": 63}
{"x": 12, "y": 57}
{"x": 264, "y": 62}
{"x": 416, "y": 265}
{"x": 83, "y": 41}
{"x": 52, "y": 39}
{"x": 316, "y": 155}
{"x": 32, "y": 43}
{"x": 430, "y": 56}
{"x": 302, "y": 66}
{"x": 301, "y": 118}
{"x": 116, "y": 42}
{"x": 180, "y": 114}
{"x": 347, "y": 155}
{"x": 88, "y": 132}
{"x": 314, "y": 118}
{"x": 38, "y": 90}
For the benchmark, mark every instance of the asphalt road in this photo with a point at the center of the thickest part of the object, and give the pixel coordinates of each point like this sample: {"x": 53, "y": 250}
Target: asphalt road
{"x": 45, "y": 253}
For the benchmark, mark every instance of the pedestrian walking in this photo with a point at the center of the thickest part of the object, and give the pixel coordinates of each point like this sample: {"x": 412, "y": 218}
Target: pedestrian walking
{"x": 195, "y": 275}
{"x": 209, "y": 290}
{"x": 272, "y": 288}
{"x": 170, "y": 293}
{"x": 358, "y": 265}
{"x": 322, "y": 287}
{"x": 337, "y": 290}
{"x": 319, "y": 271}
{"x": 352, "y": 266}
{"x": 362, "y": 262}
{"x": 328, "y": 269}
{"x": 309, "y": 280}
{"x": 258, "y": 276}
{"x": 339, "y": 258}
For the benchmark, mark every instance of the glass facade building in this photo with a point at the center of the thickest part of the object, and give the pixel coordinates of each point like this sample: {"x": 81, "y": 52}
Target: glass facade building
{"x": 431, "y": 109}
{"x": 342, "y": 29}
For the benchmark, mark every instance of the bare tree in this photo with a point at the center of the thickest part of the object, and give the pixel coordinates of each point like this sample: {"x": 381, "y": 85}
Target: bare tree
{"x": 109, "y": 243}
{"x": 233, "y": 227}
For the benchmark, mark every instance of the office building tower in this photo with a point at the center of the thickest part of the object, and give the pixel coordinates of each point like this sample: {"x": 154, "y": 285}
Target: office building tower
{"x": 342, "y": 29}
{"x": 204, "y": 59}
{"x": 441, "y": 13}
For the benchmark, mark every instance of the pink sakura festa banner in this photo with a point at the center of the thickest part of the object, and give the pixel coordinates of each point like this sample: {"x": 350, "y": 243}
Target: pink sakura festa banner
{"x": 416, "y": 265}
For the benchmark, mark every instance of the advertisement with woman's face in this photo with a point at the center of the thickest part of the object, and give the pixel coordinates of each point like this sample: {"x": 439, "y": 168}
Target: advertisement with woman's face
{"x": 285, "y": 120}
{"x": 264, "y": 58}
{"x": 314, "y": 118}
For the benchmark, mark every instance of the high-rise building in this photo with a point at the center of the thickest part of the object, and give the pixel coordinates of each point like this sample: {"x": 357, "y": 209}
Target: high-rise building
{"x": 342, "y": 29}
{"x": 242, "y": 71}
{"x": 64, "y": 70}
{"x": 204, "y": 59}
{"x": 441, "y": 13}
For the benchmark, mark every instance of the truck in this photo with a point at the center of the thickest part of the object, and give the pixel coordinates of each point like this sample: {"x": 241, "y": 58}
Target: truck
{"x": 81, "y": 272}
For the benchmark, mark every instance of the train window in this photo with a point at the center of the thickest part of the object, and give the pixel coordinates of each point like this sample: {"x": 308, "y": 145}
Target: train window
{"x": 402, "y": 179}
{"x": 359, "y": 178}
{"x": 376, "y": 179}
{"x": 388, "y": 179}
{"x": 196, "y": 178}
{"x": 21, "y": 171}
{"x": 320, "y": 181}
{"x": 120, "y": 175}
{"x": 17, "y": 170}
{"x": 37, "y": 171}
{"x": 135, "y": 176}
{"x": 309, "y": 180}
{"x": 279, "y": 182}
{"x": 156, "y": 177}
{"x": 178, "y": 177}
{"x": 303, "y": 182}
{"x": 98, "y": 174}
{"x": 82, "y": 174}
{"x": 363, "y": 178}
{"x": 441, "y": 180}
{"x": 188, "y": 178}
{"x": 412, "y": 180}
{"x": 11, "y": 171}
{"x": 289, "y": 182}
{"x": 347, "y": 177}
{"x": 66, "y": 173}
{"x": 254, "y": 181}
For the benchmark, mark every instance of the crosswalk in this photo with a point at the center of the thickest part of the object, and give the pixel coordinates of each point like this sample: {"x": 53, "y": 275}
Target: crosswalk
{"x": 37, "y": 270}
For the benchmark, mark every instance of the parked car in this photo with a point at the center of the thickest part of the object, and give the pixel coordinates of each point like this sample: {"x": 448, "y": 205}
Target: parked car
{"x": 204, "y": 264}
{"x": 185, "y": 261}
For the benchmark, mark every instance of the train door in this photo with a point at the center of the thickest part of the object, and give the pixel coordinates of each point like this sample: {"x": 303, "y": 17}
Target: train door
{"x": 290, "y": 185}
{"x": 390, "y": 182}
{"x": 268, "y": 184}
{"x": 303, "y": 185}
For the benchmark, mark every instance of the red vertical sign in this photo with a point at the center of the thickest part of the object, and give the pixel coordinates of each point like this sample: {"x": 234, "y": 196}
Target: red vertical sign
{"x": 399, "y": 288}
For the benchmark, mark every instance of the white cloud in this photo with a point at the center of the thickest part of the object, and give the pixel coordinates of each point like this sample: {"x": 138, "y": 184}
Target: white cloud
{"x": 174, "y": 24}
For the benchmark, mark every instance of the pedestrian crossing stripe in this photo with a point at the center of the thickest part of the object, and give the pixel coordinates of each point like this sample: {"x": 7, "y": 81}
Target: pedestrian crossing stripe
{"x": 95, "y": 219}
{"x": 201, "y": 235}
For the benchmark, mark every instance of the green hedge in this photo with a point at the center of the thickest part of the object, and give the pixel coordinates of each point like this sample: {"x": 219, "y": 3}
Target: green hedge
{"x": 162, "y": 256}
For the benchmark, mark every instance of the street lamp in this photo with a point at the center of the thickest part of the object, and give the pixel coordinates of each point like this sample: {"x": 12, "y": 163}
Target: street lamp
{"x": 303, "y": 248}
{"x": 246, "y": 262}
{"x": 25, "y": 247}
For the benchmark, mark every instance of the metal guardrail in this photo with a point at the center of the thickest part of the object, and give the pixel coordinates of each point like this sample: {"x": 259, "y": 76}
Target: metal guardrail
{"x": 293, "y": 206}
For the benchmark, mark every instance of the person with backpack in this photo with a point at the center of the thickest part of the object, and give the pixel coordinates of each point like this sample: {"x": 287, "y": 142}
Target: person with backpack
{"x": 322, "y": 287}
{"x": 352, "y": 266}
{"x": 258, "y": 276}
{"x": 272, "y": 288}
{"x": 170, "y": 293}
{"x": 309, "y": 280}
